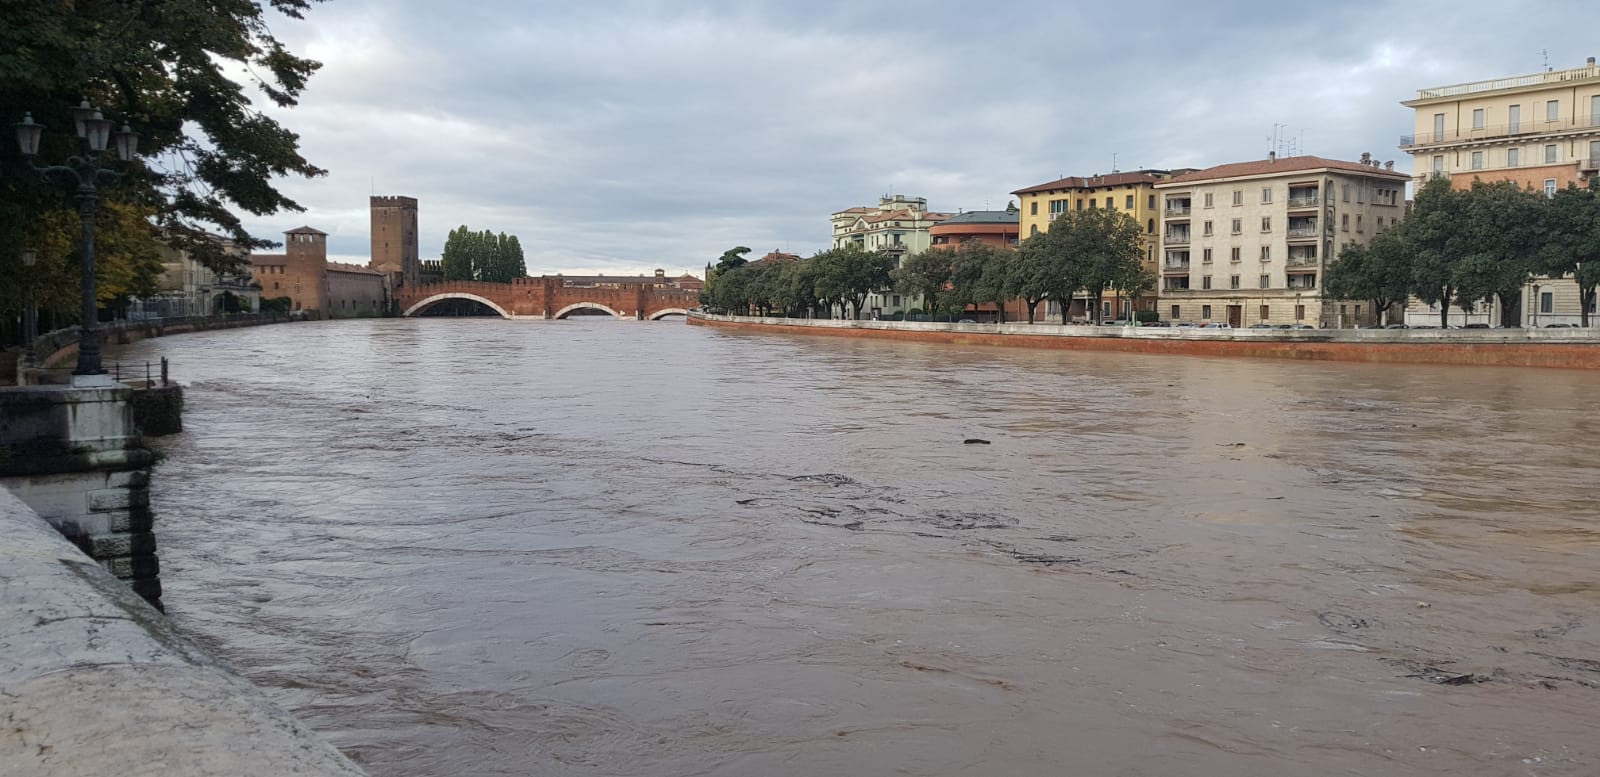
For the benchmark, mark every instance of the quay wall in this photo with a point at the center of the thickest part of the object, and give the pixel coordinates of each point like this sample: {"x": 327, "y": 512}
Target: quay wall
{"x": 97, "y": 682}
{"x": 50, "y": 357}
{"x": 1546, "y": 348}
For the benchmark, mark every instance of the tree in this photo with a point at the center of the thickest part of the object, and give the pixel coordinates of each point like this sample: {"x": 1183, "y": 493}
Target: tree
{"x": 458, "y": 256}
{"x": 924, "y": 276}
{"x": 1108, "y": 246}
{"x": 1500, "y": 232}
{"x": 847, "y": 275}
{"x": 1437, "y": 243}
{"x": 1029, "y": 274}
{"x": 1571, "y": 222}
{"x": 1379, "y": 272}
{"x": 979, "y": 273}
{"x": 165, "y": 69}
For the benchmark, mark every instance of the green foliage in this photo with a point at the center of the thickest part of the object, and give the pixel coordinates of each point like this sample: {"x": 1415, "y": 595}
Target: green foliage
{"x": 841, "y": 276}
{"x": 1095, "y": 251}
{"x": 1146, "y": 316}
{"x": 482, "y": 256}
{"x": 165, "y": 69}
{"x": 1379, "y": 271}
{"x": 924, "y": 277}
{"x": 275, "y": 306}
{"x": 1571, "y": 225}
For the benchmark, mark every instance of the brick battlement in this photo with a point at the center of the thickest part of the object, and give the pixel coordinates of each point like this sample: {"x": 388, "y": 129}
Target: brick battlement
{"x": 393, "y": 201}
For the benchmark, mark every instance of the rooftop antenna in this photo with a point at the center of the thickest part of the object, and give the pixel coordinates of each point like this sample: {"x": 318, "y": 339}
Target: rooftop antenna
{"x": 1546, "y": 53}
{"x": 1113, "y": 161}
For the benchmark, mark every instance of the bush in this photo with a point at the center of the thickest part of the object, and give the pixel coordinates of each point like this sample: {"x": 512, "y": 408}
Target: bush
{"x": 1146, "y": 316}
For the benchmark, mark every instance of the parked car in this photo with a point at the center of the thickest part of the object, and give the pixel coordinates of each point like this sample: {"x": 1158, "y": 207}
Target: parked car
{"x": 1217, "y": 325}
{"x": 1474, "y": 326}
{"x": 1300, "y": 326}
{"x": 1185, "y": 325}
{"x": 1562, "y": 326}
{"x": 1397, "y": 326}
{"x": 1155, "y": 323}
{"x": 966, "y": 321}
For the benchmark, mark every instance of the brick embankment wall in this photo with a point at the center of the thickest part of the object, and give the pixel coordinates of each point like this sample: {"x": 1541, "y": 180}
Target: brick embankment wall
{"x": 1554, "y": 348}
{"x": 96, "y": 682}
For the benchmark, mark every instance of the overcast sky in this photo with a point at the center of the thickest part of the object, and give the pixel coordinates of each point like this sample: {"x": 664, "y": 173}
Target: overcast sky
{"x": 619, "y": 137}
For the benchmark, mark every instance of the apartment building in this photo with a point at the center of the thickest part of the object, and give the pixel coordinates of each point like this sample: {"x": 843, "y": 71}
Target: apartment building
{"x": 1249, "y": 242}
{"x": 899, "y": 226}
{"x": 1132, "y": 193}
{"x": 1540, "y": 130}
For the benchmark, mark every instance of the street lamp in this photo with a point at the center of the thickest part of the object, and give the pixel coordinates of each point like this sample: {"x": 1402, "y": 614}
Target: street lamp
{"x": 30, "y": 315}
{"x": 85, "y": 171}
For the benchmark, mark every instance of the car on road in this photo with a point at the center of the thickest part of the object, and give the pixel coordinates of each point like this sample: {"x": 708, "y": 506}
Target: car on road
{"x": 966, "y": 321}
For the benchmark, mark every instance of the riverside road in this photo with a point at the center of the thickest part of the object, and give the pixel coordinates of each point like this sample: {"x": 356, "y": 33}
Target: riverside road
{"x": 592, "y": 547}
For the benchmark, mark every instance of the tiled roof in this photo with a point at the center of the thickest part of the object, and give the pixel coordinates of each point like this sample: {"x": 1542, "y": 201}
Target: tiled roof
{"x": 1094, "y": 181}
{"x": 1291, "y": 164}
{"x": 306, "y": 231}
{"x": 984, "y": 217}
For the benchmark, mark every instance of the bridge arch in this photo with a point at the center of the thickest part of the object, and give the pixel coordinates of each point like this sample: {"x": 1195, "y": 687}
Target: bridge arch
{"x": 564, "y": 312}
{"x": 663, "y": 313}
{"x": 419, "y": 306}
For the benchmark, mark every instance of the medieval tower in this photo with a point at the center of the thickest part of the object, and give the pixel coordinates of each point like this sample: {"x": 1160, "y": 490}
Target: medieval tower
{"x": 394, "y": 241}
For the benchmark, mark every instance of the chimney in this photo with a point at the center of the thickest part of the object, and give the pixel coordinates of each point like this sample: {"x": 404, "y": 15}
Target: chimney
{"x": 1272, "y": 156}
{"x": 1389, "y": 165}
{"x": 1591, "y": 62}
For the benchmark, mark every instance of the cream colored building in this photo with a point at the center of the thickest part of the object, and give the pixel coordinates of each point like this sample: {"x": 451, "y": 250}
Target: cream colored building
{"x": 189, "y": 288}
{"x": 1249, "y": 243}
{"x": 898, "y": 226}
{"x": 1132, "y": 193}
{"x": 1540, "y": 130}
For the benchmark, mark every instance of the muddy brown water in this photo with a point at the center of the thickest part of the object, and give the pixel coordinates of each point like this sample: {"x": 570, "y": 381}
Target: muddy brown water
{"x": 478, "y": 547}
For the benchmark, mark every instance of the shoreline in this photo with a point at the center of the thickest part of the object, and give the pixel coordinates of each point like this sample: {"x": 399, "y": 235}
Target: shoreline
{"x": 1576, "y": 349}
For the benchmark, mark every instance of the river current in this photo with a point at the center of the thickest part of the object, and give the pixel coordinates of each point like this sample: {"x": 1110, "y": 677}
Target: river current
{"x": 592, "y": 547}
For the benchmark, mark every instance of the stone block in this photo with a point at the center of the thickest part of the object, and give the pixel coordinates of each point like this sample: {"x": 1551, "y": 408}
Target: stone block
{"x": 103, "y": 546}
{"x": 135, "y": 519}
{"x": 126, "y": 567}
{"x": 108, "y": 499}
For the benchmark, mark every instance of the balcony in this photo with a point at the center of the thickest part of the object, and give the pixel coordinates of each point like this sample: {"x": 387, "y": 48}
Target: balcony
{"x": 1303, "y": 201}
{"x": 1176, "y": 211}
{"x": 1526, "y": 127}
{"x": 1302, "y": 260}
{"x": 1301, "y": 229}
{"x": 1302, "y": 282}
{"x": 1590, "y": 165}
{"x": 1176, "y": 238}
{"x": 1176, "y": 266}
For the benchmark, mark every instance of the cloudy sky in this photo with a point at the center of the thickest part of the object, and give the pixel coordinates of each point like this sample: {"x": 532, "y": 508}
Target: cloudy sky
{"x": 619, "y": 137}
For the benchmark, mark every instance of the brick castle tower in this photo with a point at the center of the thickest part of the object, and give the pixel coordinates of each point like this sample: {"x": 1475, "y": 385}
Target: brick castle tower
{"x": 394, "y": 241}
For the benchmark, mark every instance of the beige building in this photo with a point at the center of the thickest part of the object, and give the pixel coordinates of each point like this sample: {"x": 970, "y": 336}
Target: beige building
{"x": 1540, "y": 130}
{"x": 1248, "y": 243}
{"x": 189, "y": 288}
{"x": 898, "y": 226}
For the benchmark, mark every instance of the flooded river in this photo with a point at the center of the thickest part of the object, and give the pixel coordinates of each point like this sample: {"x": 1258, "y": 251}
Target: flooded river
{"x": 481, "y": 547}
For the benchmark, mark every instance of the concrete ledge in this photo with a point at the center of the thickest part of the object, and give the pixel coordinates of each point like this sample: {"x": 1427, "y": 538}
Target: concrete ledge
{"x": 1556, "y": 348}
{"x": 96, "y": 682}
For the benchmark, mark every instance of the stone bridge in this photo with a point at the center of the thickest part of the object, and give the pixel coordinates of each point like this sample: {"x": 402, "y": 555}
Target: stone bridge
{"x": 553, "y": 296}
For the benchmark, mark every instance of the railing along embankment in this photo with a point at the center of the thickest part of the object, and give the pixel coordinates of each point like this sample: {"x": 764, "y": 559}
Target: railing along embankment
{"x": 1565, "y": 348}
{"x": 96, "y": 682}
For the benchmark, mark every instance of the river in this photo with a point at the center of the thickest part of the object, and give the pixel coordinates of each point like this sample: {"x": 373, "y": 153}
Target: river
{"x": 591, "y": 547}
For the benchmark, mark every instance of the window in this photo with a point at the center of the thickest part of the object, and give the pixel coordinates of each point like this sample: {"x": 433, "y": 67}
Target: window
{"x": 1549, "y": 187}
{"x": 1152, "y": 204}
{"x": 1547, "y": 302}
{"x": 897, "y": 300}
{"x": 1238, "y": 196}
{"x": 1438, "y": 169}
{"x": 1266, "y": 194}
{"x": 1266, "y": 282}
{"x": 1033, "y": 208}
{"x": 1233, "y": 281}
{"x": 1552, "y": 110}
{"x": 1438, "y": 126}
{"x": 1266, "y": 223}
{"x": 1205, "y": 312}
{"x": 1265, "y": 311}
{"x": 1080, "y": 204}
{"x": 1111, "y": 203}
{"x": 1344, "y": 223}
{"x": 1205, "y": 256}
{"x": 1238, "y": 226}
{"x": 1477, "y": 160}
{"x": 1129, "y": 203}
{"x": 1358, "y": 222}
{"x": 1477, "y": 118}
{"x": 1150, "y": 227}
{"x": 1208, "y": 199}
{"x": 1358, "y": 312}
{"x": 1175, "y": 311}
{"x": 1299, "y": 312}
{"x": 1235, "y": 256}
{"x": 1514, "y": 119}
{"x": 1206, "y": 229}
{"x": 1033, "y": 230}
{"x": 1345, "y": 188}
{"x": 1594, "y": 111}
{"x": 1550, "y": 153}
{"x": 1205, "y": 281}
{"x": 1513, "y": 157}
{"x": 1266, "y": 253}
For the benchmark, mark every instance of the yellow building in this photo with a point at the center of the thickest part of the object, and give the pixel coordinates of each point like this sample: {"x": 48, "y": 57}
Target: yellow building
{"x": 1540, "y": 130}
{"x": 1132, "y": 193}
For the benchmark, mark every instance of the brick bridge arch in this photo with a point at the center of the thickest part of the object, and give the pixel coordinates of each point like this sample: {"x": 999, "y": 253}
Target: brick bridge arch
{"x": 551, "y": 296}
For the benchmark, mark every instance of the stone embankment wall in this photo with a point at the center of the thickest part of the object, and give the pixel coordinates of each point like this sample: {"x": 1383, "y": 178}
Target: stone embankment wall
{"x": 1554, "y": 348}
{"x": 74, "y": 456}
{"x": 49, "y": 360}
{"x": 96, "y": 682}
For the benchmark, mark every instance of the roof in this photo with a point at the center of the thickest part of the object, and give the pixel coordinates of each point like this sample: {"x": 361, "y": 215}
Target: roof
{"x": 355, "y": 268}
{"x": 1094, "y": 181}
{"x": 306, "y": 231}
{"x": 1291, "y": 164}
{"x": 984, "y": 217}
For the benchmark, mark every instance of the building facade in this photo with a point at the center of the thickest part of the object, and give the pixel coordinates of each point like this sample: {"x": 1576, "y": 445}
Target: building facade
{"x": 189, "y": 288}
{"x": 316, "y": 287}
{"x": 1250, "y": 242}
{"x": 1541, "y": 131}
{"x": 394, "y": 240}
{"x": 899, "y": 226}
{"x": 1132, "y": 193}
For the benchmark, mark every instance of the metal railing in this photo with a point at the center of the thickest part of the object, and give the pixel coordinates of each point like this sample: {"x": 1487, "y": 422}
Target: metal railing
{"x": 1474, "y": 87}
{"x": 1175, "y": 267}
{"x": 1303, "y": 232}
{"x": 1310, "y": 201}
{"x": 1501, "y": 131}
{"x": 1176, "y": 238}
{"x": 1179, "y": 211}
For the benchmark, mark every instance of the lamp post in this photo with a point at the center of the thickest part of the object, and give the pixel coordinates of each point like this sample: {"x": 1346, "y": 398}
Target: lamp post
{"x": 85, "y": 171}
{"x": 1533, "y": 307}
{"x": 30, "y": 321}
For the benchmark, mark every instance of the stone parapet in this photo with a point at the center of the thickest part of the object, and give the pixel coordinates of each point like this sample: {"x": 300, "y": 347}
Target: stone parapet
{"x": 1555, "y": 348}
{"x": 96, "y": 682}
